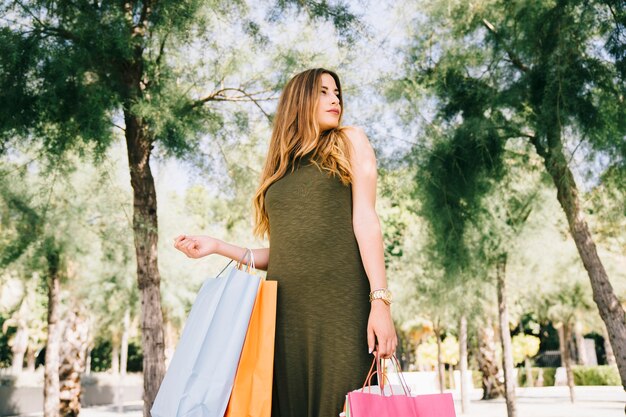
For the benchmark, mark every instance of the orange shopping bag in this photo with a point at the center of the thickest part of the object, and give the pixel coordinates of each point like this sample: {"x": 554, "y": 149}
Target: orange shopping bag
{"x": 252, "y": 391}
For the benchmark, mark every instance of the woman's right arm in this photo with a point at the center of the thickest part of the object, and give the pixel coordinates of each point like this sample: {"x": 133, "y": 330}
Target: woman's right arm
{"x": 199, "y": 246}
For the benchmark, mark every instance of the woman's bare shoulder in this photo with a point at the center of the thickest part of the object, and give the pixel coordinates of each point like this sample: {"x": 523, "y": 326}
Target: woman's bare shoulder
{"x": 357, "y": 136}
{"x": 363, "y": 151}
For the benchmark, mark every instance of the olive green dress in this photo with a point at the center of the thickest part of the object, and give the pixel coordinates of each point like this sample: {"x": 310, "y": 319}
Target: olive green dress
{"x": 322, "y": 312}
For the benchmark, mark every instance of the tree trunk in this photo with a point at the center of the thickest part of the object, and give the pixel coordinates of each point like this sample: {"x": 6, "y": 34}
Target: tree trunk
{"x": 20, "y": 345}
{"x": 610, "y": 309}
{"x": 486, "y": 357}
{"x": 88, "y": 360}
{"x": 451, "y": 376}
{"x": 529, "y": 372}
{"x": 123, "y": 362}
{"x": 115, "y": 357}
{"x": 463, "y": 364}
{"x": 540, "y": 380}
{"x": 564, "y": 337}
{"x": 75, "y": 341}
{"x": 608, "y": 349}
{"x": 31, "y": 358}
{"x": 440, "y": 368}
{"x": 505, "y": 337}
{"x": 145, "y": 229}
{"x": 124, "y": 345}
{"x": 51, "y": 370}
{"x": 580, "y": 344}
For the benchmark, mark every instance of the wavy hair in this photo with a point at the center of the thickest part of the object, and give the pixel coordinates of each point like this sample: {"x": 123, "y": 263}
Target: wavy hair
{"x": 296, "y": 133}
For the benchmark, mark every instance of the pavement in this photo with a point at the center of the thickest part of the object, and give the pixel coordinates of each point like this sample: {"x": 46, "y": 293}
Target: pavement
{"x": 590, "y": 401}
{"x": 531, "y": 402}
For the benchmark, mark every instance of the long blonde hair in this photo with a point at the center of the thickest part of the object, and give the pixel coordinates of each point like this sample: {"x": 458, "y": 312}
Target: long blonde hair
{"x": 295, "y": 133}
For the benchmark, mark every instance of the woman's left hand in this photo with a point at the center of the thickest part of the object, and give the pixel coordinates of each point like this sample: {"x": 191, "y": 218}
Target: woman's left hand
{"x": 381, "y": 333}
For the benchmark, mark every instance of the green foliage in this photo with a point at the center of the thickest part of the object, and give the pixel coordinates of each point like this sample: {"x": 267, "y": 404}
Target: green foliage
{"x": 596, "y": 375}
{"x": 453, "y": 179}
{"x": 524, "y": 346}
{"x": 101, "y": 356}
{"x": 500, "y": 71}
{"x": 477, "y": 379}
{"x": 5, "y": 349}
{"x": 346, "y": 22}
{"x": 548, "y": 376}
{"x": 566, "y": 302}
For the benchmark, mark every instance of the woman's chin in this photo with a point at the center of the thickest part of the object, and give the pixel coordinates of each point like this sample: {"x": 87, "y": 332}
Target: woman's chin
{"x": 326, "y": 128}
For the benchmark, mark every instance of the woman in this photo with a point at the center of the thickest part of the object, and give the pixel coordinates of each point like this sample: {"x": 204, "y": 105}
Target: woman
{"x": 316, "y": 203}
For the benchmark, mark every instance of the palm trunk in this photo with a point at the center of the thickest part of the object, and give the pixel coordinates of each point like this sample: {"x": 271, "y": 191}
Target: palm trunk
{"x": 564, "y": 337}
{"x": 505, "y": 337}
{"x": 145, "y": 229}
{"x": 51, "y": 370}
{"x": 609, "y": 306}
{"x": 75, "y": 340}
{"x": 486, "y": 357}
{"x": 463, "y": 364}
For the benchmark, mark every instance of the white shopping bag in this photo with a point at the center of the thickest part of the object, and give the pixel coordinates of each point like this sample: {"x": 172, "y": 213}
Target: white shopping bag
{"x": 201, "y": 373}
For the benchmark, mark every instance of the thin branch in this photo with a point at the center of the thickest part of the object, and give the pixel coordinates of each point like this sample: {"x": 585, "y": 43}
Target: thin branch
{"x": 119, "y": 127}
{"x": 517, "y": 62}
{"x": 249, "y": 97}
{"x": 574, "y": 151}
{"x": 17, "y": 168}
{"x": 29, "y": 12}
{"x": 161, "y": 48}
{"x": 46, "y": 29}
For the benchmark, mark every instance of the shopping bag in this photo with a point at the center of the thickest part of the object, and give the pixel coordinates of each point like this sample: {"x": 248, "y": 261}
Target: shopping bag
{"x": 199, "y": 379}
{"x": 387, "y": 401}
{"x": 252, "y": 390}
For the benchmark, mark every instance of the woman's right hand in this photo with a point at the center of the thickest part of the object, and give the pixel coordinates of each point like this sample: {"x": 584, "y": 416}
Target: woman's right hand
{"x": 196, "y": 246}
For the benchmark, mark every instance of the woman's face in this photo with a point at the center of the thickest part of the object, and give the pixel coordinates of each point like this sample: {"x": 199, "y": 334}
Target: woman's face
{"x": 328, "y": 108}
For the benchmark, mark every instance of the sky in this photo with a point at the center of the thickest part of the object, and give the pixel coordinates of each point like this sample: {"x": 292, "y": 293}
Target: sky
{"x": 371, "y": 59}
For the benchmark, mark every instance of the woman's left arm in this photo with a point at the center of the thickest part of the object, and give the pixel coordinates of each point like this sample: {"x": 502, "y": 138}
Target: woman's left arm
{"x": 381, "y": 333}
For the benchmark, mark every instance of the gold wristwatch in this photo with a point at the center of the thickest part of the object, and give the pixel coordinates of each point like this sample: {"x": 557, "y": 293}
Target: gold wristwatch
{"x": 381, "y": 294}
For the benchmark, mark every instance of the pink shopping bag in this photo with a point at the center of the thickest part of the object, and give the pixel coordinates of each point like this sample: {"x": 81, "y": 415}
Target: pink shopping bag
{"x": 366, "y": 403}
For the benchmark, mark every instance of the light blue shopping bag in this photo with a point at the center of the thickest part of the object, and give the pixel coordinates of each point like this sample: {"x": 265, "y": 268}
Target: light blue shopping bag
{"x": 201, "y": 373}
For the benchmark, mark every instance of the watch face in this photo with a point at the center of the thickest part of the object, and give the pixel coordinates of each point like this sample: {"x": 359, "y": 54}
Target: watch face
{"x": 381, "y": 294}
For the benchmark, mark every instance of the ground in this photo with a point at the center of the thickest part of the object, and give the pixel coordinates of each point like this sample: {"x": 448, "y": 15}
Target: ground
{"x": 531, "y": 402}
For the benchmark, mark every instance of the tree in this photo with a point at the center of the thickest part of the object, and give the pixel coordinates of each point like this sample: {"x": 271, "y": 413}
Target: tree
{"x": 551, "y": 74}
{"x": 39, "y": 241}
{"x": 562, "y": 307}
{"x": 130, "y": 61}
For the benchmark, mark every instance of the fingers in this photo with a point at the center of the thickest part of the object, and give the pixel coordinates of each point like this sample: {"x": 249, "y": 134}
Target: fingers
{"x": 186, "y": 244}
{"x": 178, "y": 240}
{"x": 386, "y": 346}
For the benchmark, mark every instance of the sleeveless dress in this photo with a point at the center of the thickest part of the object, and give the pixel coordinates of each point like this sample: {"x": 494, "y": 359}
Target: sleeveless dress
{"x": 322, "y": 307}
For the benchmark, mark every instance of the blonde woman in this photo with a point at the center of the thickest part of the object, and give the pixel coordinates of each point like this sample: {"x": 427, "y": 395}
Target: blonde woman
{"x": 316, "y": 204}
